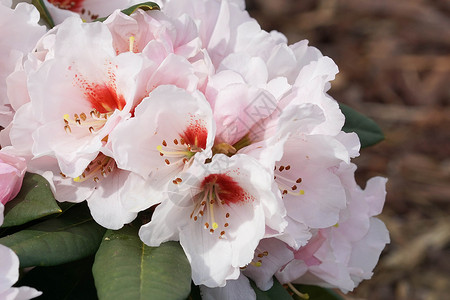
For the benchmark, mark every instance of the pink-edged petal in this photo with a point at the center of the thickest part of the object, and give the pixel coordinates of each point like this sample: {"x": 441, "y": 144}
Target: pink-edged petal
{"x": 166, "y": 222}
{"x": 366, "y": 251}
{"x": 312, "y": 193}
{"x": 138, "y": 193}
{"x": 270, "y": 256}
{"x": 105, "y": 203}
{"x": 375, "y": 193}
{"x": 233, "y": 290}
{"x": 12, "y": 171}
{"x": 205, "y": 252}
{"x": 24, "y": 293}
{"x": 9, "y": 268}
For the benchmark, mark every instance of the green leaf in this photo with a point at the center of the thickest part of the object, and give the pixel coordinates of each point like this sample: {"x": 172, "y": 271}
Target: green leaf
{"x": 125, "y": 268}
{"x": 144, "y": 6}
{"x": 72, "y": 281}
{"x": 368, "y": 131}
{"x": 72, "y": 235}
{"x": 317, "y": 292}
{"x": 277, "y": 292}
{"x": 35, "y": 200}
{"x": 45, "y": 15}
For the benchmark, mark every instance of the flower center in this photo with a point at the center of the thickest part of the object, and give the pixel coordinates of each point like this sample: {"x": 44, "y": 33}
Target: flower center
{"x": 181, "y": 150}
{"x": 103, "y": 99}
{"x": 218, "y": 192}
{"x": 97, "y": 169}
{"x": 94, "y": 121}
{"x": 285, "y": 183}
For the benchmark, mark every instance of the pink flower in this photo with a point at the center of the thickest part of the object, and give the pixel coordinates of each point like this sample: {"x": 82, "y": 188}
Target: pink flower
{"x": 79, "y": 90}
{"x": 86, "y": 79}
{"x": 12, "y": 171}
{"x": 218, "y": 211}
{"x": 345, "y": 254}
{"x": 19, "y": 30}
{"x": 9, "y": 274}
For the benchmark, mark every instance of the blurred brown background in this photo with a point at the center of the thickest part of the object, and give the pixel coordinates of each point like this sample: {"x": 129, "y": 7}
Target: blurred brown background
{"x": 394, "y": 61}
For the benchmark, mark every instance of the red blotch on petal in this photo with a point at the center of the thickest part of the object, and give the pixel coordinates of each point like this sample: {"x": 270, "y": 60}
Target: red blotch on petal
{"x": 228, "y": 190}
{"x": 102, "y": 96}
{"x": 72, "y": 5}
{"x": 196, "y": 134}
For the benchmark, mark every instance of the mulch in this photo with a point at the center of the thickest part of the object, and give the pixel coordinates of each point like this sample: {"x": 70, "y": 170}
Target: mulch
{"x": 394, "y": 61}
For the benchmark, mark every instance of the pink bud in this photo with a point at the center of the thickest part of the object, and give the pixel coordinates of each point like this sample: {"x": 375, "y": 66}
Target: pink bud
{"x": 12, "y": 171}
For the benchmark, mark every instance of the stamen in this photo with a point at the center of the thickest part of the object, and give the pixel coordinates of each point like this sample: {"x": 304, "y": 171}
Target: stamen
{"x": 93, "y": 123}
{"x": 211, "y": 208}
{"x": 301, "y": 295}
{"x": 284, "y": 184}
{"x": 172, "y": 153}
{"x": 256, "y": 264}
{"x": 101, "y": 166}
{"x": 131, "y": 40}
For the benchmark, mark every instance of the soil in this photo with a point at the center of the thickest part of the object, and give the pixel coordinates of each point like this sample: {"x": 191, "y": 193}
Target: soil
{"x": 394, "y": 61}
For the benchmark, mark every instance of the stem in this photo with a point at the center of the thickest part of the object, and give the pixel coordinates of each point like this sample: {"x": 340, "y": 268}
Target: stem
{"x": 244, "y": 142}
{"x": 301, "y": 295}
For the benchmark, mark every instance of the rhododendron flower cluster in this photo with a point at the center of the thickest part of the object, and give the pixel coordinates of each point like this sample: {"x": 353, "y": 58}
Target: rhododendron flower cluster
{"x": 195, "y": 116}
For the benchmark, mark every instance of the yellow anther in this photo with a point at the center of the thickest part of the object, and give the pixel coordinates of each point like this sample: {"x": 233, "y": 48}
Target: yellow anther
{"x": 256, "y": 264}
{"x": 302, "y": 192}
{"x": 66, "y": 117}
{"x": 77, "y": 179}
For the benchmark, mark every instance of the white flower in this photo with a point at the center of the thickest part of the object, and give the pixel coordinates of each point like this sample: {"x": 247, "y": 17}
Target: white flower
{"x": 79, "y": 91}
{"x": 19, "y": 31}
{"x": 217, "y": 211}
{"x": 345, "y": 254}
{"x": 9, "y": 274}
{"x": 170, "y": 128}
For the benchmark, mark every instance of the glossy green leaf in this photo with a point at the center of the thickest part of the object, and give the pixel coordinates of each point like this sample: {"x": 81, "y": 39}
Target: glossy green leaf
{"x": 317, "y": 292}
{"x": 71, "y": 281}
{"x": 277, "y": 292}
{"x": 144, "y": 6}
{"x": 368, "y": 131}
{"x": 70, "y": 236}
{"x": 45, "y": 15}
{"x": 35, "y": 200}
{"x": 125, "y": 268}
